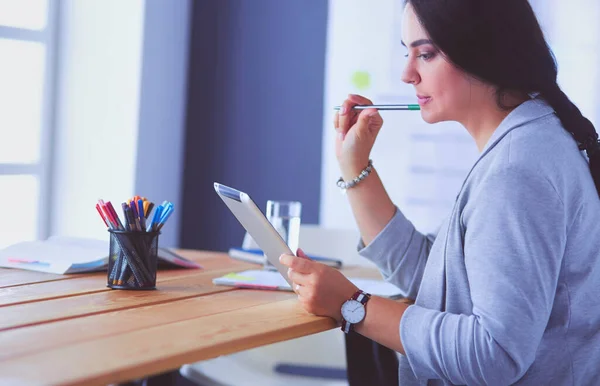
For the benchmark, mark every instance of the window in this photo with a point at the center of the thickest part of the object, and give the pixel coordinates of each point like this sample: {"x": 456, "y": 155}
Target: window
{"x": 26, "y": 35}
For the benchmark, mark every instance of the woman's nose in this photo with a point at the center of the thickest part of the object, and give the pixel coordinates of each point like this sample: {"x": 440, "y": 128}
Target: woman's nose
{"x": 409, "y": 74}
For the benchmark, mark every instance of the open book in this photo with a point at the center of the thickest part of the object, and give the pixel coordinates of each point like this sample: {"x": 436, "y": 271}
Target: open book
{"x": 65, "y": 255}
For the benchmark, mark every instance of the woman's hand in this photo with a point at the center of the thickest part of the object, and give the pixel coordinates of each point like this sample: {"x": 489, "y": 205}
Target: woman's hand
{"x": 356, "y": 134}
{"x": 321, "y": 289}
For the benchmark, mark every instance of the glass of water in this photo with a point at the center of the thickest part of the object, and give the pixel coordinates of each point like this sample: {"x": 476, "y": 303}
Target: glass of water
{"x": 285, "y": 218}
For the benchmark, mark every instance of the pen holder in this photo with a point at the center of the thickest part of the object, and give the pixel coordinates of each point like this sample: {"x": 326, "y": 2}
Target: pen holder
{"x": 132, "y": 260}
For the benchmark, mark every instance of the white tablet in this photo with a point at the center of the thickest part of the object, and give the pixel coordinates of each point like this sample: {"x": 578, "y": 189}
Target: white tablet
{"x": 257, "y": 225}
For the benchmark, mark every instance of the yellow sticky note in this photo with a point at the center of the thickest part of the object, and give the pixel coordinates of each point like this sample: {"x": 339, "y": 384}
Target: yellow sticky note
{"x": 235, "y": 276}
{"x": 361, "y": 80}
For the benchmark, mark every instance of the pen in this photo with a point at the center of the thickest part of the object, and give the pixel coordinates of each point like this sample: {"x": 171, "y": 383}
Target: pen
{"x": 384, "y": 107}
{"x": 102, "y": 215}
{"x": 136, "y": 221}
{"x": 141, "y": 214}
{"x": 112, "y": 224}
{"x": 115, "y": 216}
{"x": 165, "y": 216}
{"x": 129, "y": 220}
{"x": 157, "y": 212}
{"x": 149, "y": 209}
{"x": 125, "y": 209}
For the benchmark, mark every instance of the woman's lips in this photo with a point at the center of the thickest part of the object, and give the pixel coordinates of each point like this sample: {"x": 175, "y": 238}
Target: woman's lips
{"x": 423, "y": 100}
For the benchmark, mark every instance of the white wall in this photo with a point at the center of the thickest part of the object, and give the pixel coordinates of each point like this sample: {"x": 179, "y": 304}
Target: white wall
{"x": 97, "y": 105}
{"x": 120, "y": 109}
{"x": 573, "y": 31}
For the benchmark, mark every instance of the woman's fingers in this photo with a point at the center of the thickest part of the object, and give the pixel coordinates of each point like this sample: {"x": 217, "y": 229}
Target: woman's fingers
{"x": 336, "y": 121}
{"x": 298, "y": 264}
{"x": 298, "y": 278}
{"x": 359, "y": 99}
{"x": 347, "y": 116}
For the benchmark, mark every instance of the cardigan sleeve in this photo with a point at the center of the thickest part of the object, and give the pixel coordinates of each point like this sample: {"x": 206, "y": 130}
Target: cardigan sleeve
{"x": 400, "y": 252}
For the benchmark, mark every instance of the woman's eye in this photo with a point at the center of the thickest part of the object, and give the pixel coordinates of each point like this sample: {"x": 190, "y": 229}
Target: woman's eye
{"x": 426, "y": 56}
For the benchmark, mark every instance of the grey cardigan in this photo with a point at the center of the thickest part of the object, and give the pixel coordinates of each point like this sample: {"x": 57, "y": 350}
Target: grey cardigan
{"x": 509, "y": 290}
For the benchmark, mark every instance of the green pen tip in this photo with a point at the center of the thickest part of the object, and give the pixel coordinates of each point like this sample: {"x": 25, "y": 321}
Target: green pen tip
{"x": 414, "y": 107}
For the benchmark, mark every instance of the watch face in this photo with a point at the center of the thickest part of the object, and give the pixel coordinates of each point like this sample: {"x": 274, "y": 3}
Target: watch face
{"x": 353, "y": 311}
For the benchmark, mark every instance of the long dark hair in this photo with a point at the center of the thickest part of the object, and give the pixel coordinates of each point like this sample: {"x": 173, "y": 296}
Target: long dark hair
{"x": 501, "y": 43}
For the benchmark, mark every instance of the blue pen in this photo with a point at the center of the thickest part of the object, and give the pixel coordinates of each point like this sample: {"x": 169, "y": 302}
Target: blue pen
{"x": 165, "y": 217}
{"x": 168, "y": 207}
{"x": 157, "y": 212}
{"x": 134, "y": 211}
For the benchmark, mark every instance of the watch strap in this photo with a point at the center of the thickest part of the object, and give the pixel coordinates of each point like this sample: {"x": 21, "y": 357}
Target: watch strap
{"x": 346, "y": 327}
{"x": 361, "y": 297}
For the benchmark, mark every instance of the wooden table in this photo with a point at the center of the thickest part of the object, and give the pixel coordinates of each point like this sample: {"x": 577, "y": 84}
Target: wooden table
{"x": 72, "y": 329}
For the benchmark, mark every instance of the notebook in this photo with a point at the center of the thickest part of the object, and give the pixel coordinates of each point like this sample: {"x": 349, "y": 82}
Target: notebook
{"x": 272, "y": 280}
{"x": 65, "y": 255}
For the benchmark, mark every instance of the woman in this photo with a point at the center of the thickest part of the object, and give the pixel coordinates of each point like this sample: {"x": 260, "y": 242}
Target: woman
{"x": 507, "y": 291}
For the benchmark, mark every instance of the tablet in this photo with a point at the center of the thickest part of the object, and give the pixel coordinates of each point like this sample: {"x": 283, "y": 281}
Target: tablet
{"x": 257, "y": 225}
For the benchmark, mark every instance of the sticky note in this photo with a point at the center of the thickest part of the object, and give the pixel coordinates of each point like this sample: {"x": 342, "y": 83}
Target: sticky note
{"x": 235, "y": 276}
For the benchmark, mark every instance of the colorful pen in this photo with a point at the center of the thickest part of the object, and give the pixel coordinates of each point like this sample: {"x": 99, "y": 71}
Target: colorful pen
{"x": 157, "y": 212}
{"x": 384, "y": 107}
{"x": 165, "y": 217}
{"x": 115, "y": 216}
{"x": 102, "y": 215}
{"x": 141, "y": 213}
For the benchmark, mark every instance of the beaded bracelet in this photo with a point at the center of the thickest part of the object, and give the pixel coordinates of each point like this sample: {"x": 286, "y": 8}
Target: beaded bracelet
{"x": 347, "y": 185}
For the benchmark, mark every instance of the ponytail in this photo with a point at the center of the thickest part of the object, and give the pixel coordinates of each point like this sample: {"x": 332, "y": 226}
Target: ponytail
{"x": 579, "y": 126}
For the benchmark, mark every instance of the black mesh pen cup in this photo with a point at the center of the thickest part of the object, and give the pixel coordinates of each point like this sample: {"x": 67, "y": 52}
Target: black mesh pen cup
{"x": 132, "y": 260}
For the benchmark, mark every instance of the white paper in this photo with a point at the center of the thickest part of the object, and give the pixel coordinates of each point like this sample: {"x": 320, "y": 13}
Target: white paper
{"x": 273, "y": 279}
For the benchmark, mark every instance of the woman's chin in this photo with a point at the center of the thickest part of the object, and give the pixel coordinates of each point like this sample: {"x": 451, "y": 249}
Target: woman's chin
{"x": 434, "y": 117}
{"x": 430, "y": 117}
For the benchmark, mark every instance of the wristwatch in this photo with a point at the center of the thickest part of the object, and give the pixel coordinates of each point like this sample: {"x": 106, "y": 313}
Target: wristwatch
{"x": 353, "y": 310}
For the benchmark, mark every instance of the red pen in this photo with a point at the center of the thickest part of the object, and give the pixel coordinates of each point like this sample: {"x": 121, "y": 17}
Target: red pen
{"x": 114, "y": 215}
{"x": 106, "y": 211}
{"x": 102, "y": 215}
